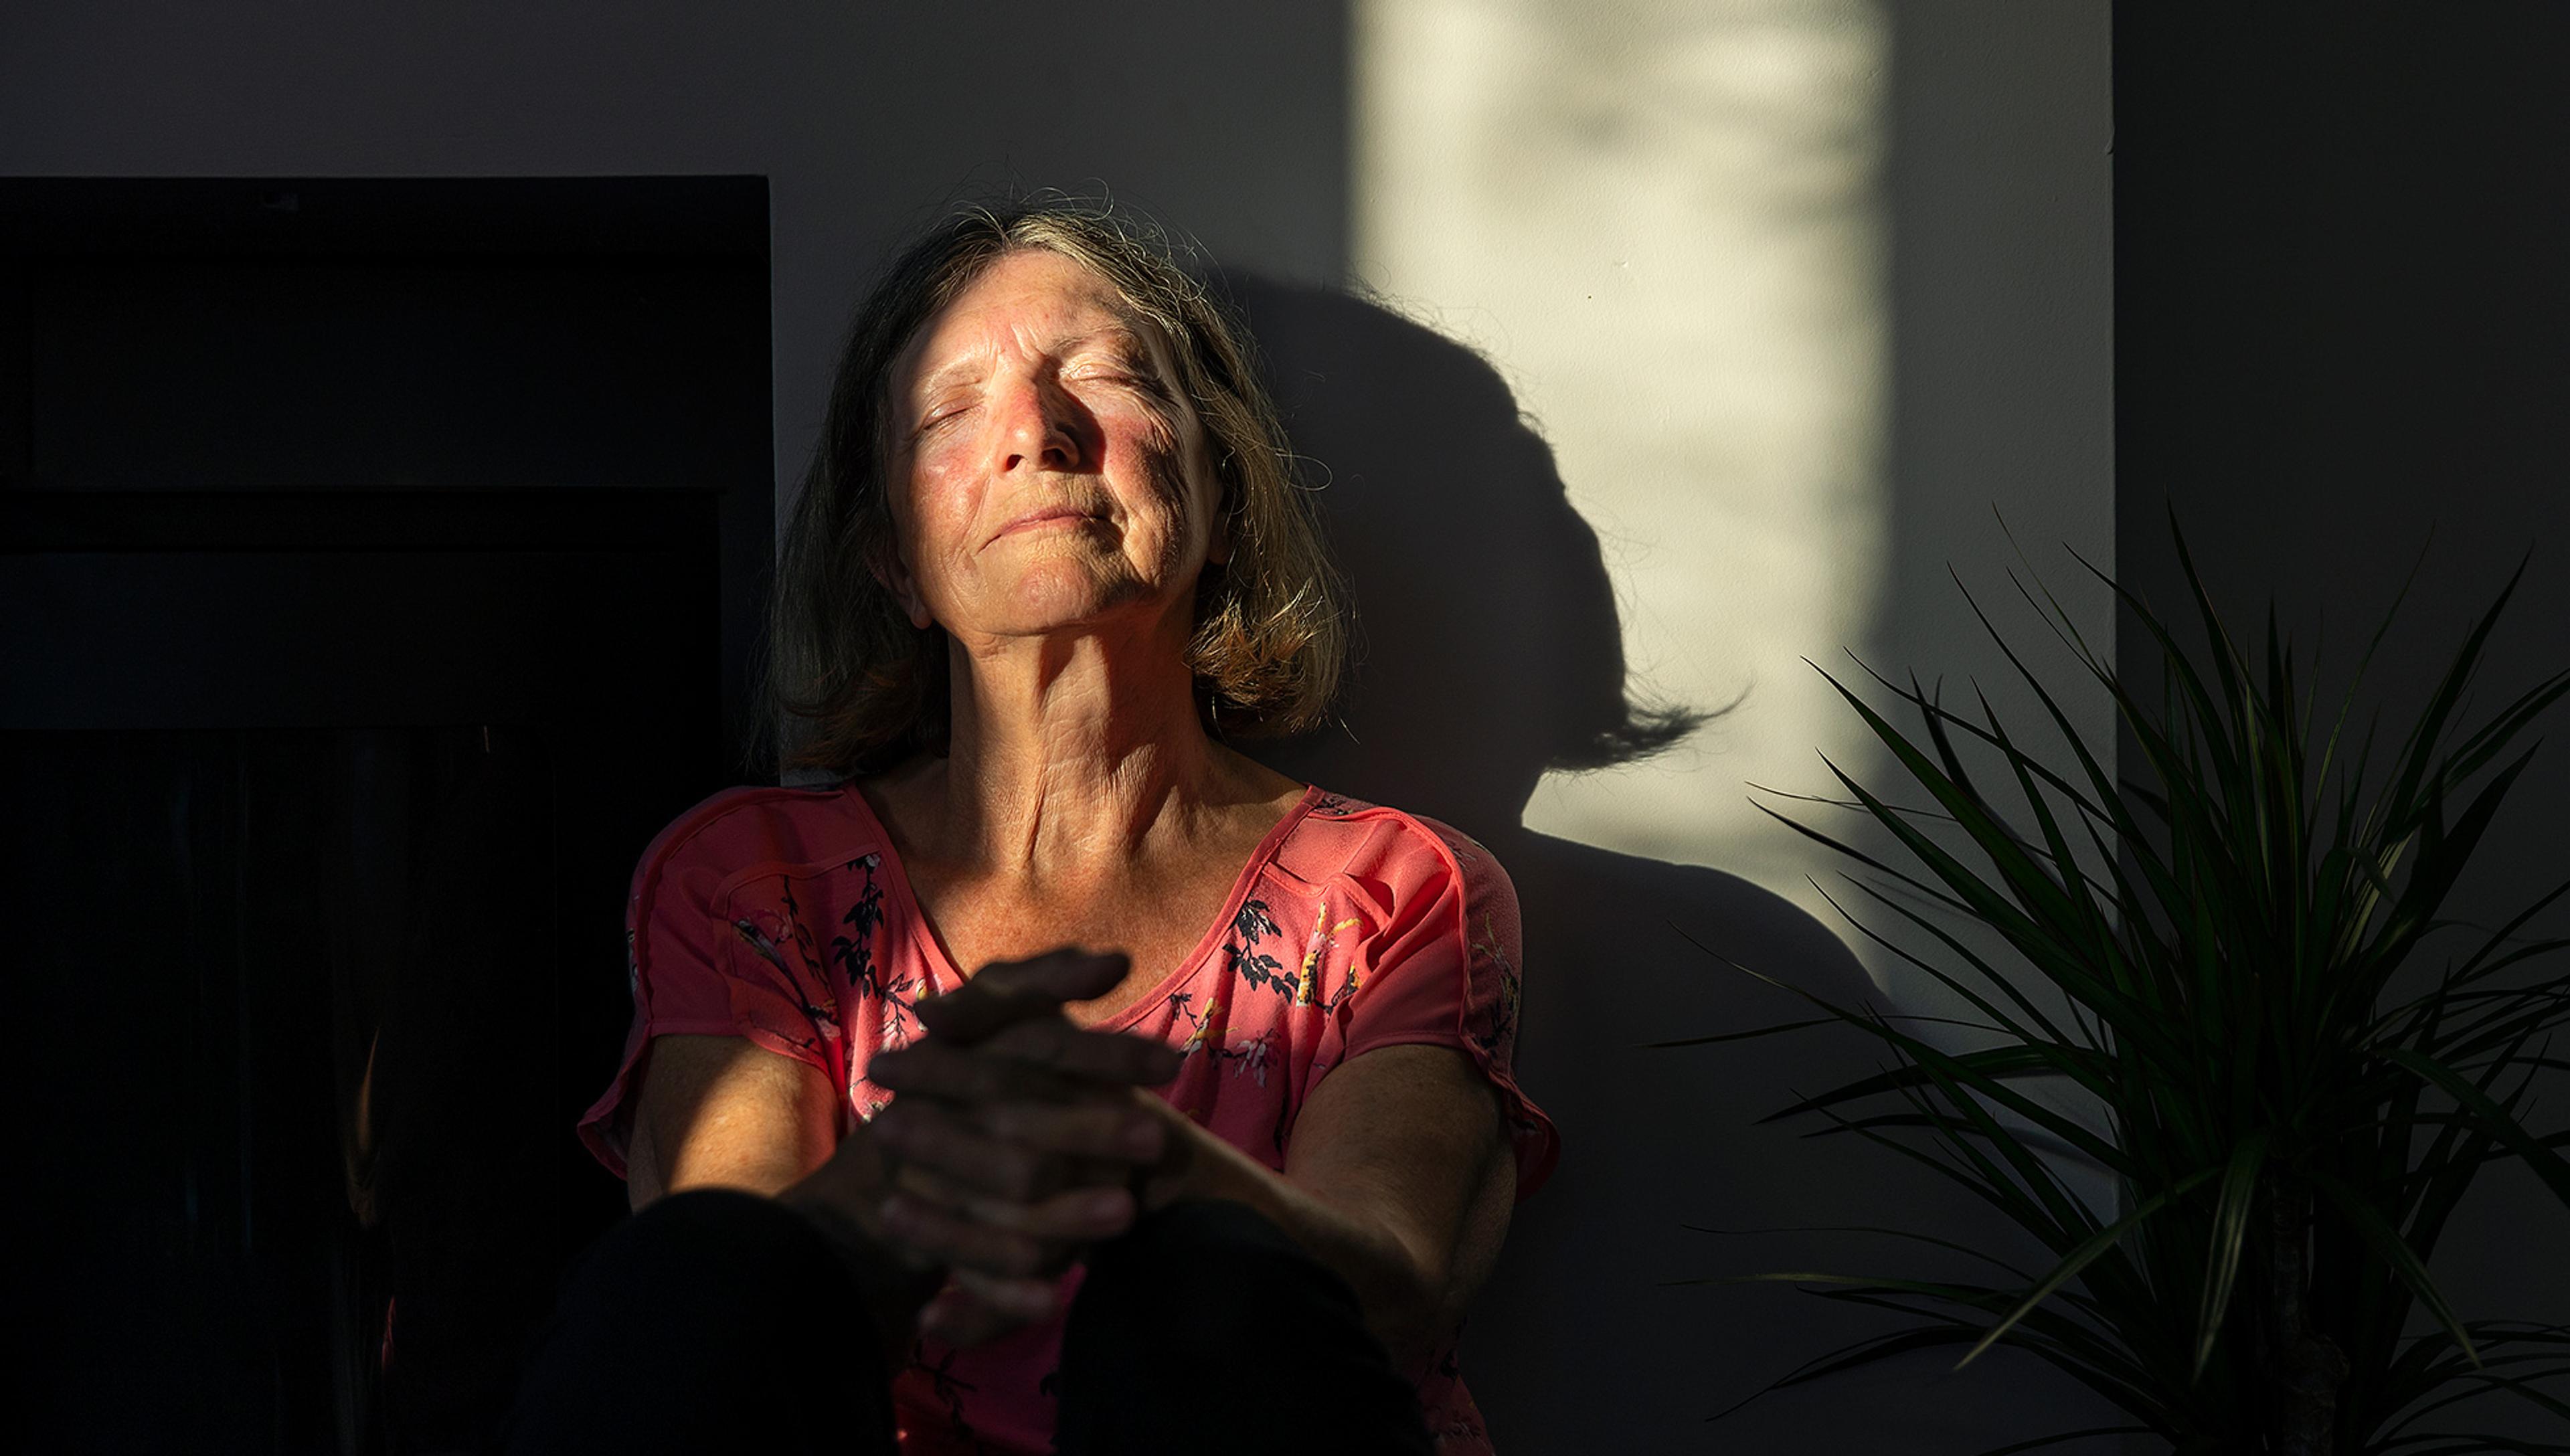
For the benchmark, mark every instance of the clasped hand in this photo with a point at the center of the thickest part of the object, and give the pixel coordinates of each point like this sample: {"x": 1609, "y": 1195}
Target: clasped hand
{"x": 1017, "y": 1139}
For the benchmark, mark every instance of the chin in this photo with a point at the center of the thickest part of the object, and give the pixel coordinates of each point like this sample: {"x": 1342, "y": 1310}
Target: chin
{"x": 1066, "y": 595}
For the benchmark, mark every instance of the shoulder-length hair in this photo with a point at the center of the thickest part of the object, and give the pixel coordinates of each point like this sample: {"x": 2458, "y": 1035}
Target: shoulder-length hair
{"x": 854, "y": 687}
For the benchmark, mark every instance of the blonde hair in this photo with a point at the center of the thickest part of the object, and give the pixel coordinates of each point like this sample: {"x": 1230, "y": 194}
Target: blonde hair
{"x": 848, "y": 678}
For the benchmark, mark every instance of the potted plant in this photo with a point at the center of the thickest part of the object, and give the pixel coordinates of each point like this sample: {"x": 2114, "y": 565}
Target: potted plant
{"x": 2287, "y": 1129}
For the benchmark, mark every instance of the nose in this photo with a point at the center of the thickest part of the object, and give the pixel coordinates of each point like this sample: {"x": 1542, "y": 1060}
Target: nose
{"x": 1039, "y": 427}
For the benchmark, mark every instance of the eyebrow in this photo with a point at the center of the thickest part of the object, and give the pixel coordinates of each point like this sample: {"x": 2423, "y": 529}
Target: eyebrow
{"x": 1121, "y": 338}
{"x": 945, "y": 374}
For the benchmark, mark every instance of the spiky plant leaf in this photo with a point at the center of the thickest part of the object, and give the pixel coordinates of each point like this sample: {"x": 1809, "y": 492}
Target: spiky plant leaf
{"x": 2216, "y": 937}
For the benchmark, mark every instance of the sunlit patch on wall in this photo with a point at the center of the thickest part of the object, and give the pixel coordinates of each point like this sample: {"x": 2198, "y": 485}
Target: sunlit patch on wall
{"x": 1661, "y": 222}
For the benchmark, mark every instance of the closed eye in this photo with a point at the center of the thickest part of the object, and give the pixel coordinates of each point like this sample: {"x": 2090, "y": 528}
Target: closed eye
{"x": 1120, "y": 363}
{"x": 1147, "y": 386}
{"x": 941, "y": 417}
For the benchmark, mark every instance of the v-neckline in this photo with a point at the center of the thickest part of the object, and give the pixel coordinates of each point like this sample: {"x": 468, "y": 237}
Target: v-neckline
{"x": 948, "y": 975}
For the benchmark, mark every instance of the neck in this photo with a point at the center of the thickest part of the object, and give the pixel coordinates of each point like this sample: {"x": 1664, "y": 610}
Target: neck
{"x": 1069, "y": 752}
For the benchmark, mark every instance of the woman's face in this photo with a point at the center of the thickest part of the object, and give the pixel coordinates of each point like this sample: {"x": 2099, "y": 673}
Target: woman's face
{"x": 1048, "y": 473}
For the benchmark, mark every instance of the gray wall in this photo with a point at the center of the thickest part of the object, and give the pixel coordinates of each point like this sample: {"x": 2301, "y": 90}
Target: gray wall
{"x": 2344, "y": 342}
{"x": 1231, "y": 121}
{"x": 864, "y": 117}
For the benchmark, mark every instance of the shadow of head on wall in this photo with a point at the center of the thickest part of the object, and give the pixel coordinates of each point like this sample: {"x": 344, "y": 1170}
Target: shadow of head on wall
{"x": 1487, "y": 646}
{"x": 1488, "y": 652}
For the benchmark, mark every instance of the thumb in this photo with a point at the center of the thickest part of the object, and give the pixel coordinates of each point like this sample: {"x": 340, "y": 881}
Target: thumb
{"x": 1005, "y": 993}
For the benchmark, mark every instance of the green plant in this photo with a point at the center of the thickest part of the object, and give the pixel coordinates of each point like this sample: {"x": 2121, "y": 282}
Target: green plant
{"x": 2288, "y": 1131}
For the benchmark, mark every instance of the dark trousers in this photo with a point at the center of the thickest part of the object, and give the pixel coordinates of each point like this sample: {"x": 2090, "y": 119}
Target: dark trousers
{"x": 717, "y": 1320}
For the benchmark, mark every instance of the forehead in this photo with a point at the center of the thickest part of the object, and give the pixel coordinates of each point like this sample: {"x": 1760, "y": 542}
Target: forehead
{"x": 1033, "y": 300}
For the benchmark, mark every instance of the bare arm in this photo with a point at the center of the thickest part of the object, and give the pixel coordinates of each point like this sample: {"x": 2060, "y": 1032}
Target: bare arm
{"x": 1398, "y": 1176}
{"x": 724, "y": 1112}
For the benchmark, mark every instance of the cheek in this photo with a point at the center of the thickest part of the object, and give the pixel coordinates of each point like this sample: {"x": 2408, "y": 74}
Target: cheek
{"x": 939, "y": 503}
{"x": 1160, "y": 456}
{"x": 940, "y": 448}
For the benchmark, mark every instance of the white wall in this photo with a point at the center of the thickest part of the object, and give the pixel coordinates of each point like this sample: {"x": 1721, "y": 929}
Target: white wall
{"x": 1796, "y": 289}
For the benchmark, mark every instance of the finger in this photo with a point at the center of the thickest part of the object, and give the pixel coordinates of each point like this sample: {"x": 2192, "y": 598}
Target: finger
{"x": 1075, "y": 1216}
{"x": 1049, "y": 1060}
{"x": 1093, "y": 1130}
{"x": 961, "y": 1243}
{"x": 1006, "y": 991}
{"x": 969, "y": 1074}
{"x": 922, "y": 1133}
{"x": 1105, "y": 1056}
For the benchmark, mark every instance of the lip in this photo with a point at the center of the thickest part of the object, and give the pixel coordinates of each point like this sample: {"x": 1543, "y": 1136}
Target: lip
{"x": 1041, "y": 517}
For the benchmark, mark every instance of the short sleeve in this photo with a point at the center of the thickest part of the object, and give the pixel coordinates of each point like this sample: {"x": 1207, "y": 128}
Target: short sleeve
{"x": 1443, "y": 971}
{"x": 694, "y": 969}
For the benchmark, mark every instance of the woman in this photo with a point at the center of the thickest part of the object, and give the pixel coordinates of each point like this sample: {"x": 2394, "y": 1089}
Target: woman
{"x": 1048, "y": 558}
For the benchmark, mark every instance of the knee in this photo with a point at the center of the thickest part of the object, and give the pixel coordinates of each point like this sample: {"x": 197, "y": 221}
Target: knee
{"x": 1155, "y": 1352}
{"x": 705, "y": 1309}
{"x": 704, "y": 1243}
{"x": 710, "y": 1260}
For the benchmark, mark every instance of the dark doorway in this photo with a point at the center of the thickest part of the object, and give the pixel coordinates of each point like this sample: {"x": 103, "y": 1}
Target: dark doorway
{"x": 378, "y": 572}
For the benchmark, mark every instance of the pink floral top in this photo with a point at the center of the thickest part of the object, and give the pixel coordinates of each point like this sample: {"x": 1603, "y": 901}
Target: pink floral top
{"x": 783, "y": 915}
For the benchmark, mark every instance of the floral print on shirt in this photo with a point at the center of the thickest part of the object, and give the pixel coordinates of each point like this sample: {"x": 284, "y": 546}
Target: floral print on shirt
{"x": 780, "y": 915}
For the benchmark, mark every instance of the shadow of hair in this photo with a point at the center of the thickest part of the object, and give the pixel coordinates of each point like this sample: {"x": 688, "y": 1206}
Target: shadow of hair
{"x": 1487, "y": 647}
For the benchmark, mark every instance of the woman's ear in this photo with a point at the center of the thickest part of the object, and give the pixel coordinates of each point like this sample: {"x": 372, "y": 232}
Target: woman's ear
{"x": 893, "y": 574}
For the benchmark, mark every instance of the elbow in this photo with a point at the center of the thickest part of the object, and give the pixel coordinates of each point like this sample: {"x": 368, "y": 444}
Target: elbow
{"x": 1422, "y": 1307}
{"x": 1415, "y": 1314}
